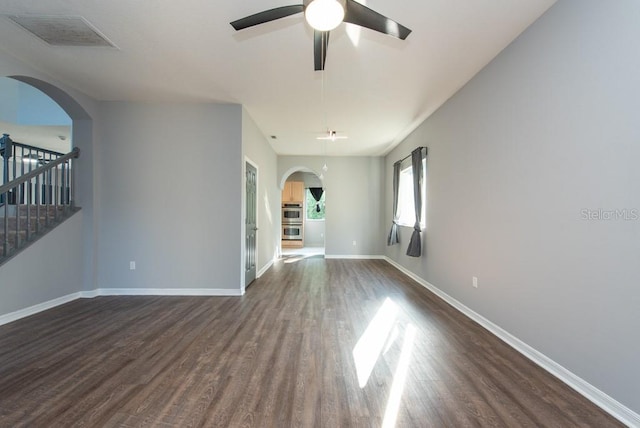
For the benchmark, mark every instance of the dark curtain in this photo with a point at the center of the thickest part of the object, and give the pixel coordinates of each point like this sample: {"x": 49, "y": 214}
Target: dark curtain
{"x": 316, "y": 192}
{"x": 393, "y": 233}
{"x": 415, "y": 245}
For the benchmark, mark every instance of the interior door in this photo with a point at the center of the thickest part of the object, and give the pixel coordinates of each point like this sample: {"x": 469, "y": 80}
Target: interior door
{"x": 251, "y": 228}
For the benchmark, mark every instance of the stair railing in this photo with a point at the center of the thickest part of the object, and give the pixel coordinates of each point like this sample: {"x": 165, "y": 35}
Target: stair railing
{"x": 46, "y": 192}
{"x": 19, "y": 158}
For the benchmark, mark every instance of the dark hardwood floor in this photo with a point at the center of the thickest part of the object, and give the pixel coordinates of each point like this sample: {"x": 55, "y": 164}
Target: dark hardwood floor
{"x": 282, "y": 355}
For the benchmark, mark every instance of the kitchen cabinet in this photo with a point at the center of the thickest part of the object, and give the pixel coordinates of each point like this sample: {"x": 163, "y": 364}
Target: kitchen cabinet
{"x": 292, "y": 244}
{"x": 293, "y": 192}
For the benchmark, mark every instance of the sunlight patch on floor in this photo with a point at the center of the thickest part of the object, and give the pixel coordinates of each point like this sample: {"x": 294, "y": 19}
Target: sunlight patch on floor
{"x": 399, "y": 379}
{"x": 370, "y": 344}
{"x": 293, "y": 255}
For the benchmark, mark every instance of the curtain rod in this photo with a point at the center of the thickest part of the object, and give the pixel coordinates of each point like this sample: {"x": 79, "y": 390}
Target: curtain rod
{"x": 409, "y": 155}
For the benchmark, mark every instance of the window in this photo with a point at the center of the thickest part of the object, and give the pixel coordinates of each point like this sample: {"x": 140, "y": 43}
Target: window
{"x": 312, "y": 213}
{"x": 406, "y": 210}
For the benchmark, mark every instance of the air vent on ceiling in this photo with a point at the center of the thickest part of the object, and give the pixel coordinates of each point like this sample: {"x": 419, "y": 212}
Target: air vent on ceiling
{"x": 62, "y": 30}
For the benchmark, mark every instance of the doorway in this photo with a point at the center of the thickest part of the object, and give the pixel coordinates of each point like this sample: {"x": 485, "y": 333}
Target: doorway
{"x": 304, "y": 189}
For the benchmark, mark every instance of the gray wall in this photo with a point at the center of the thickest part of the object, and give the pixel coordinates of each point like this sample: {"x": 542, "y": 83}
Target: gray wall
{"x": 353, "y": 201}
{"x": 44, "y": 271}
{"x": 259, "y": 151}
{"x": 545, "y": 131}
{"x": 21, "y": 280}
{"x": 314, "y": 231}
{"x": 171, "y": 193}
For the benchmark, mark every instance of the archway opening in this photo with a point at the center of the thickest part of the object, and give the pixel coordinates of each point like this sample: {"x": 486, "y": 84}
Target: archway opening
{"x": 79, "y": 125}
{"x": 81, "y": 132}
{"x": 303, "y": 215}
{"x": 35, "y": 131}
{"x": 31, "y": 117}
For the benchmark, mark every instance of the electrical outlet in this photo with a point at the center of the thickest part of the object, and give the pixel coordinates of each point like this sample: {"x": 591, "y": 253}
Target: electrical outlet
{"x": 132, "y": 265}
{"x": 474, "y": 282}
{"x": 354, "y": 243}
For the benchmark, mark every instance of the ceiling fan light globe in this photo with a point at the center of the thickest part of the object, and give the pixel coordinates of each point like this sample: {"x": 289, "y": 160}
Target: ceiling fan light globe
{"x": 324, "y": 15}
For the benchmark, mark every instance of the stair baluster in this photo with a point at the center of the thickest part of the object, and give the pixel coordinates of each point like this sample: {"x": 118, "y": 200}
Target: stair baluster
{"x": 52, "y": 175}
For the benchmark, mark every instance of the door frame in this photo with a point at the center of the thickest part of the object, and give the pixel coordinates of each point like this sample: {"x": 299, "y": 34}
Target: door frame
{"x": 243, "y": 253}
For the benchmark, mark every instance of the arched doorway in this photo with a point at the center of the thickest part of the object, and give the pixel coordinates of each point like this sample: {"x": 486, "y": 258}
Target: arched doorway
{"x": 303, "y": 214}
{"x": 81, "y": 136}
{"x": 81, "y": 133}
{"x": 31, "y": 117}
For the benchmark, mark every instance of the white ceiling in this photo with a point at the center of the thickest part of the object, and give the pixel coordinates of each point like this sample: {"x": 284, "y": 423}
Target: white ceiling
{"x": 376, "y": 90}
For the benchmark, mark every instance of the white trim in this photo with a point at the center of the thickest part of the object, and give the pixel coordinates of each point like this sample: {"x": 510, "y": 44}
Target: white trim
{"x": 599, "y": 398}
{"x": 32, "y": 310}
{"x": 159, "y": 292}
{"x": 40, "y": 307}
{"x": 354, "y": 257}
{"x": 264, "y": 269}
{"x": 168, "y": 292}
{"x": 295, "y": 169}
{"x": 89, "y": 294}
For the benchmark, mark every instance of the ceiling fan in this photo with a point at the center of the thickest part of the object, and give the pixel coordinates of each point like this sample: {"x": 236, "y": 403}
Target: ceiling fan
{"x": 324, "y": 16}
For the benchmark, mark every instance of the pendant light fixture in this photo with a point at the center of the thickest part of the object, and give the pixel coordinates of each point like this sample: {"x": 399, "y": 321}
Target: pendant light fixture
{"x": 332, "y": 136}
{"x": 324, "y": 15}
{"x": 323, "y": 107}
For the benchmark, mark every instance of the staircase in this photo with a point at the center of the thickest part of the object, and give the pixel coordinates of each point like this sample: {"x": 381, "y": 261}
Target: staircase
{"x": 37, "y": 194}
{"x": 29, "y": 225}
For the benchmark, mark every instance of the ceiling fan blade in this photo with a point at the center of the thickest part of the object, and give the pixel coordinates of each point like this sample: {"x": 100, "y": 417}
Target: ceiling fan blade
{"x": 320, "y": 45}
{"x": 355, "y": 13}
{"x": 266, "y": 16}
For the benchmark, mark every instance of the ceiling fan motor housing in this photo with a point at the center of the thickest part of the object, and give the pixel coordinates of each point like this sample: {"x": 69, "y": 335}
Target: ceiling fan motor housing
{"x": 324, "y": 15}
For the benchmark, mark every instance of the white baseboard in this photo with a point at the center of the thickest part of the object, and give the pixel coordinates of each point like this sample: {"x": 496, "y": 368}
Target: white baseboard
{"x": 167, "y": 292}
{"x": 89, "y": 294}
{"x": 264, "y": 269}
{"x": 32, "y": 310}
{"x": 354, "y": 257}
{"x": 593, "y": 394}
